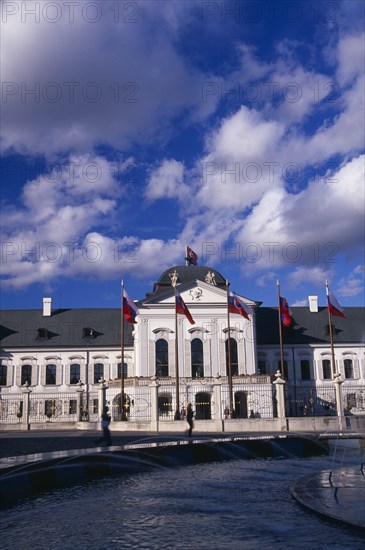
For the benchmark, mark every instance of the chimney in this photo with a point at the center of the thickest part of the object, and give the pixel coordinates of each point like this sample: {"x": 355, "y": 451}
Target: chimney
{"x": 313, "y": 304}
{"x": 47, "y": 303}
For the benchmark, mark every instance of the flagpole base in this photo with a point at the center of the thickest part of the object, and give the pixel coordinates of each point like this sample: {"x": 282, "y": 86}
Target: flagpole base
{"x": 177, "y": 415}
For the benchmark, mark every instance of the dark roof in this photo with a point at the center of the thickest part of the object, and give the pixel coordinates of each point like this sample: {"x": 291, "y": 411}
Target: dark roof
{"x": 308, "y": 327}
{"x": 186, "y": 274}
{"x": 64, "y": 328}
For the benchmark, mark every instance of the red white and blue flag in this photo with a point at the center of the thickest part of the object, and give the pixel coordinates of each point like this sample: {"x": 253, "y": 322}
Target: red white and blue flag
{"x": 235, "y": 305}
{"x": 130, "y": 310}
{"x": 333, "y": 306}
{"x": 191, "y": 256}
{"x": 284, "y": 312}
{"x": 182, "y": 309}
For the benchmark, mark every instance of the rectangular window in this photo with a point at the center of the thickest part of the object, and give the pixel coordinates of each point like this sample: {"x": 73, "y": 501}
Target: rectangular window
{"x": 98, "y": 372}
{"x": 26, "y": 374}
{"x": 349, "y": 368}
{"x": 3, "y": 373}
{"x": 95, "y": 406}
{"x": 73, "y": 406}
{"x": 326, "y": 369}
{"x": 51, "y": 374}
{"x": 305, "y": 371}
{"x": 125, "y": 371}
{"x": 74, "y": 373}
{"x": 262, "y": 366}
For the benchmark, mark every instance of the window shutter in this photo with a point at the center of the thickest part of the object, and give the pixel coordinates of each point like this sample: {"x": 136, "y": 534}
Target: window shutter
{"x": 356, "y": 369}
{"x": 222, "y": 357}
{"x": 43, "y": 374}
{"x": 186, "y": 371}
{"x": 18, "y": 374}
{"x": 67, "y": 374}
{"x": 172, "y": 366}
{"x": 91, "y": 373}
{"x": 59, "y": 369}
{"x": 206, "y": 358}
{"x": 33, "y": 378}
{"x": 151, "y": 368}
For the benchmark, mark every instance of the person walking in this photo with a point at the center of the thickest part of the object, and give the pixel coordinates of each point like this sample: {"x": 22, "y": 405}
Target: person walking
{"x": 105, "y": 421}
{"x": 189, "y": 418}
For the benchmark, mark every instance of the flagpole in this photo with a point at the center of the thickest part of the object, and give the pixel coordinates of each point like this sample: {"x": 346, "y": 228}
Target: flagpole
{"x": 230, "y": 386}
{"x": 122, "y": 412}
{"x": 177, "y": 410}
{"x": 331, "y": 334}
{"x": 280, "y": 334}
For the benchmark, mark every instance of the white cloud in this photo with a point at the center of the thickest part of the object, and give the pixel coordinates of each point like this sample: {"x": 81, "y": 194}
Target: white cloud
{"x": 167, "y": 181}
{"x": 353, "y": 285}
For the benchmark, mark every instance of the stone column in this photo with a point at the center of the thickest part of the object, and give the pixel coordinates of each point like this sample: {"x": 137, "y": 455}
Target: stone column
{"x": 26, "y": 391}
{"x": 280, "y": 399}
{"x": 154, "y": 403}
{"x": 339, "y": 402}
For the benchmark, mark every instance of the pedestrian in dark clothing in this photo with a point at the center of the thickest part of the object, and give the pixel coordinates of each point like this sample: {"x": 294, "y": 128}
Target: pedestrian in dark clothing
{"x": 189, "y": 418}
{"x": 105, "y": 421}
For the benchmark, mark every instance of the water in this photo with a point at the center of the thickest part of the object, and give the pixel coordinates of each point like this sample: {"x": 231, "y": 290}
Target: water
{"x": 235, "y": 505}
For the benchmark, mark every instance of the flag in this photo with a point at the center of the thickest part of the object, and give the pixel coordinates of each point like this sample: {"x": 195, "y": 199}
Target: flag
{"x": 284, "y": 311}
{"x": 182, "y": 309}
{"x": 191, "y": 256}
{"x": 235, "y": 305}
{"x": 333, "y": 306}
{"x": 130, "y": 310}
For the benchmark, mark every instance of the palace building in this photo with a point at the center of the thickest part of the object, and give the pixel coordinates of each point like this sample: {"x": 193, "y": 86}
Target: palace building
{"x": 63, "y": 365}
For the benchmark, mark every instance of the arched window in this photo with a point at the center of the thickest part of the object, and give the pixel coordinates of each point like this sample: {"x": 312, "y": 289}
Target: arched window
{"x": 197, "y": 362}
{"x": 51, "y": 370}
{"x": 98, "y": 372}
{"x": 26, "y": 374}
{"x": 162, "y": 358}
{"x": 234, "y": 357}
{"x": 74, "y": 373}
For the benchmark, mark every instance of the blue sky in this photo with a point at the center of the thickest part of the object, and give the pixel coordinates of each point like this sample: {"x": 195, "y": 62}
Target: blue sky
{"x": 130, "y": 129}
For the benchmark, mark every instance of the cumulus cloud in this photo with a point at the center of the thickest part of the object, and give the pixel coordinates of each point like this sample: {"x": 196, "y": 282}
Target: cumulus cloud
{"x": 167, "y": 181}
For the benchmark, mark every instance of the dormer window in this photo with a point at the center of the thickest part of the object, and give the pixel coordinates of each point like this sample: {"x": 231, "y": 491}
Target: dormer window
{"x": 88, "y": 332}
{"x": 42, "y": 334}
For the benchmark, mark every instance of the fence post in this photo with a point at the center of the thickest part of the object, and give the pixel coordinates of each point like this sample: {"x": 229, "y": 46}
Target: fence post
{"x": 102, "y": 397}
{"x": 154, "y": 403}
{"x": 339, "y": 402}
{"x": 280, "y": 399}
{"x": 217, "y": 392}
{"x": 26, "y": 391}
{"x": 79, "y": 393}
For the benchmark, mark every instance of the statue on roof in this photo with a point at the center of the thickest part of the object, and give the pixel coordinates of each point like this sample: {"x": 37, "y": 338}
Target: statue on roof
{"x": 210, "y": 278}
{"x": 174, "y": 278}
